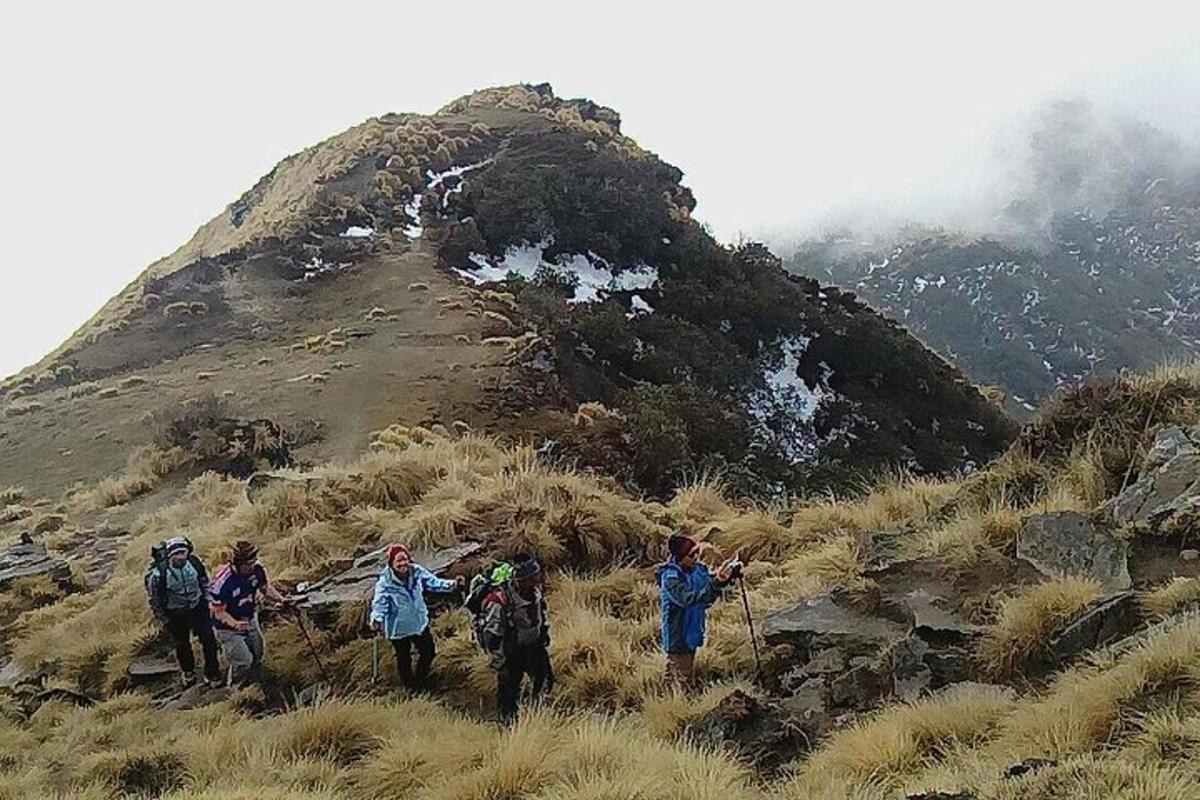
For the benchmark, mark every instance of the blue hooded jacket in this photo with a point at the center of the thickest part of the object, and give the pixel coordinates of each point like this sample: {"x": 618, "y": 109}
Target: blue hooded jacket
{"x": 685, "y": 596}
{"x": 400, "y": 605}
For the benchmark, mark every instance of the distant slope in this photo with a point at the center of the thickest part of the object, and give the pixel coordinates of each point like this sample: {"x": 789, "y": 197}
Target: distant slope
{"x": 599, "y": 287}
{"x": 1092, "y": 267}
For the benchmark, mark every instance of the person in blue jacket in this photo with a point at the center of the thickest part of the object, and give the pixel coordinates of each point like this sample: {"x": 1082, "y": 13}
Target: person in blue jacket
{"x": 398, "y": 610}
{"x": 687, "y": 590}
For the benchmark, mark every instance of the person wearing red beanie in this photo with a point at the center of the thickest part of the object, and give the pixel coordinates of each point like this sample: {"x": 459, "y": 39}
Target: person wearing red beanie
{"x": 687, "y": 590}
{"x": 399, "y": 612}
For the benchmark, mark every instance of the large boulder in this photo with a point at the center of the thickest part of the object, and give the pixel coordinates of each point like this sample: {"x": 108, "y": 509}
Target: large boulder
{"x": 1068, "y": 543}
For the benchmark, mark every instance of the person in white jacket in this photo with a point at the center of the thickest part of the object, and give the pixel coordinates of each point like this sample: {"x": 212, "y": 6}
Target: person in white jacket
{"x": 399, "y": 612}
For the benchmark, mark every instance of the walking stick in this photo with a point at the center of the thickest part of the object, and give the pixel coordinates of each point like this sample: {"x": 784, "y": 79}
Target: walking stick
{"x": 750, "y": 625}
{"x": 311, "y": 647}
{"x": 374, "y": 660}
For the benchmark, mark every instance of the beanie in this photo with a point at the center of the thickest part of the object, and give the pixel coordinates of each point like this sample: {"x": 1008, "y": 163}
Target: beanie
{"x": 525, "y": 566}
{"x": 176, "y": 545}
{"x": 680, "y": 546}
{"x": 244, "y": 552}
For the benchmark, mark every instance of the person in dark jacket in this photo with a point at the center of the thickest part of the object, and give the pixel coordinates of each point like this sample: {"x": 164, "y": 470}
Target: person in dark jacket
{"x": 515, "y": 632}
{"x": 178, "y": 590}
{"x": 687, "y": 590}
{"x": 398, "y": 610}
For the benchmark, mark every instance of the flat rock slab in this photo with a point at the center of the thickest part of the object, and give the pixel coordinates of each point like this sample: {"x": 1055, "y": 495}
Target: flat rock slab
{"x": 29, "y": 560}
{"x": 933, "y": 622}
{"x": 823, "y": 621}
{"x": 1160, "y": 493}
{"x": 147, "y": 668}
{"x": 356, "y": 583}
{"x": 1068, "y": 543}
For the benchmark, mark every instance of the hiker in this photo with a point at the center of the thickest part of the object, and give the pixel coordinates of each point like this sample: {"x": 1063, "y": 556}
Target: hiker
{"x": 515, "y": 632}
{"x": 234, "y": 598}
{"x": 398, "y": 610}
{"x": 177, "y": 584}
{"x": 687, "y": 590}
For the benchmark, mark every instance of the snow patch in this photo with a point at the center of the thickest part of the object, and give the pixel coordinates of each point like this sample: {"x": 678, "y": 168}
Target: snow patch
{"x": 357, "y": 232}
{"x": 435, "y": 179}
{"x": 785, "y": 409}
{"x": 922, "y": 283}
{"x": 638, "y": 307}
{"x": 594, "y": 277}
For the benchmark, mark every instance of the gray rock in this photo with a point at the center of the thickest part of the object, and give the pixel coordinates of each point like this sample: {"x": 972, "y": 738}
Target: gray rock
{"x": 933, "y": 622}
{"x": 1190, "y": 555}
{"x": 1105, "y": 621}
{"x": 1069, "y": 543}
{"x": 1159, "y": 493}
{"x": 145, "y": 669}
{"x": 911, "y": 676}
{"x": 860, "y": 687}
{"x": 13, "y": 674}
{"x": 29, "y": 560}
{"x": 761, "y": 732}
{"x": 1170, "y": 442}
{"x": 950, "y": 665}
{"x": 820, "y": 622}
{"x": 355, "y": 584}
{"x": 825, "y": 662}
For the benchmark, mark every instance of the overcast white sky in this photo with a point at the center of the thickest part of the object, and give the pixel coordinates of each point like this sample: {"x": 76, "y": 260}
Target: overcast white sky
{"x": 127, "y": 125}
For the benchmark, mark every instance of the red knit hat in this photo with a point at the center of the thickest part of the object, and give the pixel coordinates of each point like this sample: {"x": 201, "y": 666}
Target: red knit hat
{"x": 396, "y": 550}
{"x": 680, "y": 546}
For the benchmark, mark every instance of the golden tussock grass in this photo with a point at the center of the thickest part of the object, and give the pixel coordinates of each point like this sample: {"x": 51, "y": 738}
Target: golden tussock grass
{"x": 1028, "y": 620}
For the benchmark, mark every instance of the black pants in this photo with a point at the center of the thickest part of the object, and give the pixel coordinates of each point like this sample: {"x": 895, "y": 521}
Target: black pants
{"x": 532, "y": 660}
{"x": 181, "y": 625}
{"x": 425, "y": 651}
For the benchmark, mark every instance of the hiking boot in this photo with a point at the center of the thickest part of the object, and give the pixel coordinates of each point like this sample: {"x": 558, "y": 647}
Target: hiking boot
{"x": 188, "y": 679}
{"x": 214, "y": 683}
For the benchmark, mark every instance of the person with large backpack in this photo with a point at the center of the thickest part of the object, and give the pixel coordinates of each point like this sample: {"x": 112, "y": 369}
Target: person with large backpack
{"x": 177, "y": 585}
{"x": 687, "y": 590}
{"x": 513, "y": 628}
{"x": 399, "y": 612}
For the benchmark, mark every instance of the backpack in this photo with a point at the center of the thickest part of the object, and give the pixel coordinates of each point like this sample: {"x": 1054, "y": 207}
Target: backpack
{"x": 156, "y": 589}
{"x": 477, "y": 591}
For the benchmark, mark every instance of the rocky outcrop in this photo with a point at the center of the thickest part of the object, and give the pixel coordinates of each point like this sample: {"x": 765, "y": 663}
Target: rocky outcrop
{"x": 30, "y": 560}
{"x": 846, "y": 661}
{"x": 1070, "y": 543}
{"x": 762, "y": 733}
{"x": 1169, "y": 482}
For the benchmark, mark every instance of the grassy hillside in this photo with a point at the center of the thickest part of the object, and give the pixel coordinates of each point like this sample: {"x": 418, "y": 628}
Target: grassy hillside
{"x": 1113, "y": 723}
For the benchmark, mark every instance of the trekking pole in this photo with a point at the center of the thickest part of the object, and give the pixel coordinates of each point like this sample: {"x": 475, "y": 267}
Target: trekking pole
{"x": 750, "y": 625}
{"x": 374, "y": 659}
{"x": 311, "y": 647}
